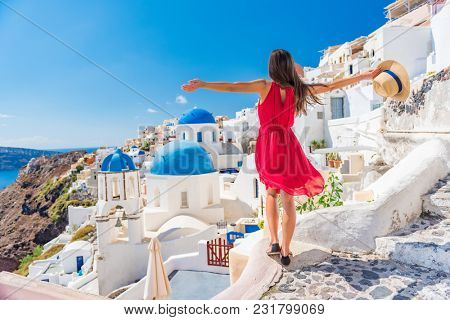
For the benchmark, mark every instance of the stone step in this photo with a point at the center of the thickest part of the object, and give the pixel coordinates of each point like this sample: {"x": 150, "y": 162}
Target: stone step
{"x": 437, "y": 201}
{"x": 428, "y": 247}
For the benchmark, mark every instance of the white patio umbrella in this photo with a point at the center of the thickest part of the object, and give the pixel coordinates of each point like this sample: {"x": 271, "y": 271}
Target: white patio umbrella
{"x": 157, "y": 286}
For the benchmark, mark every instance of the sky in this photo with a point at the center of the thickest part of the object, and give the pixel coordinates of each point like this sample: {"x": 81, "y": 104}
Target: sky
{"x": 88, "y": 73}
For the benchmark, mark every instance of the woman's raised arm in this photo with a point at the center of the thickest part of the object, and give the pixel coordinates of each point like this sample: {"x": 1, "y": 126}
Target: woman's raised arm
{"x": 337, "y": 84}
{"x": 258, "y": 86}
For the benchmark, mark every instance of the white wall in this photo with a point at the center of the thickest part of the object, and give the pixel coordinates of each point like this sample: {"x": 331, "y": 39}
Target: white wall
{"x": 408, "y": 45}
{"x": 199, "y": 189}
{"x": 187, "y": 243}
{"x": 79, "y": 215}
{"x": 362, "y": 130}
{"x": 310, "y": 127}
{"x": 440, "y": 26}
{"x": 244, "y": 186}
{"x": 121, "y": 264}
{"x": 69, "y": 254}
{"x": 360, "y": 99}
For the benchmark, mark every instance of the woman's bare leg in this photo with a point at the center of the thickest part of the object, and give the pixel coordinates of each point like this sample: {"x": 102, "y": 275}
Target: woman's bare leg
{"x": 272, "y": 214}
{"x": 287, "y": 222}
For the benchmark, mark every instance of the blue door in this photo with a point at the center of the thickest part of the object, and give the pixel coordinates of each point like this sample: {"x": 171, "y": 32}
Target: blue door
{"x": 80, "y": 263}
{"x": 337, "y": 108}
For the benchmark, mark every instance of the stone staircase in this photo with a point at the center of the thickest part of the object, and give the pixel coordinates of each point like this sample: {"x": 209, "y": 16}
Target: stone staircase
{"x": 427, "y": 241}
{"x": 413, "y": 263}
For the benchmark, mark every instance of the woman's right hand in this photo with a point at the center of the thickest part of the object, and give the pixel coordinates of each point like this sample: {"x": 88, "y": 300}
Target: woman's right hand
{"x": 192, "y": 85}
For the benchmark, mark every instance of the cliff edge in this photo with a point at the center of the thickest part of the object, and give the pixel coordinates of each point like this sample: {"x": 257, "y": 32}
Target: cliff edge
{"x": 33, "y": 210}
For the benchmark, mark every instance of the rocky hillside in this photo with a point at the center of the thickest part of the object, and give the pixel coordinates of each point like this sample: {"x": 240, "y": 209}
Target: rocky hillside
{"x": 33, "y": 210}
{"x": 15, "y": 158}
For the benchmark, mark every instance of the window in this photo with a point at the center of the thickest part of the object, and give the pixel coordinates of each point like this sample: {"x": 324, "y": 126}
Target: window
{"x": 210, "y": 194}
{"x": 130, "y": 189}
{"x": 184, "y": 135}
{"x": 184, "y": 200}
{"x": 319, "y": 115}
{"x": 337, "y": 108}
{"x": 255, "y": 188}
{"x": 239, "y": 163}
{"x": 156, "y": 198}
{"x": 350, "y": 69}
{"x": 115, "y": 189}
{"x": 214, "y": 136}
{"x": 199, "y": 137}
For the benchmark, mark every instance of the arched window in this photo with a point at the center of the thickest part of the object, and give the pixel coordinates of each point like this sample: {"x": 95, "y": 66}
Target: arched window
{"x": 184, "y": 200}
{"x": 184, "y": 135}
{"x": 115, "y": 189}
{"x": 131, "y": 188}
{"x": 156, "y": 198}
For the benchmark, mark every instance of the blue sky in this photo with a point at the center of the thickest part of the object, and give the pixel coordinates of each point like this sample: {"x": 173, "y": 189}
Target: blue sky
{"x": 52, "y": 98}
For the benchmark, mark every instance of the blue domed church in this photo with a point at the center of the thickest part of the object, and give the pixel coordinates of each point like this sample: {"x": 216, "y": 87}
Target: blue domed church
{"x": 182, "y": 181}
{"x": 198, "y": 125}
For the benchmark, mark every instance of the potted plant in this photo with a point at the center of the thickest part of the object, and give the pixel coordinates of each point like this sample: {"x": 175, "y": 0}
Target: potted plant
{"x": 314, "y": 145}
{"x": 337, "y": 160}
{"x": 322, "y": 144}
{"x": 330, "y": 158}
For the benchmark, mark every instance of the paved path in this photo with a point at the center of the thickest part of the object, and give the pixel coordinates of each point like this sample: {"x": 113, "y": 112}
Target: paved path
{"x": 361, "y": 277}
{"x": 384, "y": 274}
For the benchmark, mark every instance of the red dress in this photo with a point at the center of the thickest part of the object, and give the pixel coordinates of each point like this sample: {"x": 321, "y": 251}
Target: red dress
{"x": 280, "y": 160}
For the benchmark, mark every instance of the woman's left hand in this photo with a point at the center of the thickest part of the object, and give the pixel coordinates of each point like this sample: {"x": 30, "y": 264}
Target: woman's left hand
{"x": 192, "y": 85}
{"x": 370, "y": 74}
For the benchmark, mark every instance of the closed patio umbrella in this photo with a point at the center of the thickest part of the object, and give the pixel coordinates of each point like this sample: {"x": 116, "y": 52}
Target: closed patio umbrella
{"x": 157, "y": 286}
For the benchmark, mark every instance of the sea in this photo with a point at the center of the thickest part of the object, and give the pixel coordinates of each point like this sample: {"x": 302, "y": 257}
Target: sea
{"x": 9, "y": 176}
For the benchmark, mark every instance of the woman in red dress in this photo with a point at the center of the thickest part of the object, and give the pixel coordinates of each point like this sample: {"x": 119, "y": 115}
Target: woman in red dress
{"x": 280, "y": 161}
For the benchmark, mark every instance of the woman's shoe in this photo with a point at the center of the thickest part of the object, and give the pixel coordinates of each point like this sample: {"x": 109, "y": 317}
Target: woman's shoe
{"x": 275, "y": 249}
{"x": 285, "y": 260}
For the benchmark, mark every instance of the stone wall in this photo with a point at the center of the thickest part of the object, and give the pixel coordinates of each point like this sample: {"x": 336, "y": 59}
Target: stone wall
{"x": 424, "y": 116}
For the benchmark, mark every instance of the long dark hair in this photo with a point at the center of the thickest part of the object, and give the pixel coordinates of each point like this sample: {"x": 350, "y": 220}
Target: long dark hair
{"x": 282, "y": 71}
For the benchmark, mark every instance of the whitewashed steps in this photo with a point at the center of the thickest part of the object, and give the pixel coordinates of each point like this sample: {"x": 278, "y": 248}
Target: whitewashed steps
{"x": 426, "y": 242}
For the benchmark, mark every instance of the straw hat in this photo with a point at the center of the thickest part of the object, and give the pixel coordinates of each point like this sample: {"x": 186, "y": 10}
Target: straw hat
{"x": 393, "y": 81}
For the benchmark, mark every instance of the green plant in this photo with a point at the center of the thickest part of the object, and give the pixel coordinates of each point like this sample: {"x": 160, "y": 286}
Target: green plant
{"x": 330, "y": 197}
{"x": 261, "y": 224}
{"x": 337, "y": 156}
{"x": 83, "y": 233}
{"x": 318, "y": 144}
{"x": 315, "y": 145}
{"x": 322, "y": 144}
{"x": 37, "y": 254}
{"x": 37, "y": 251}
